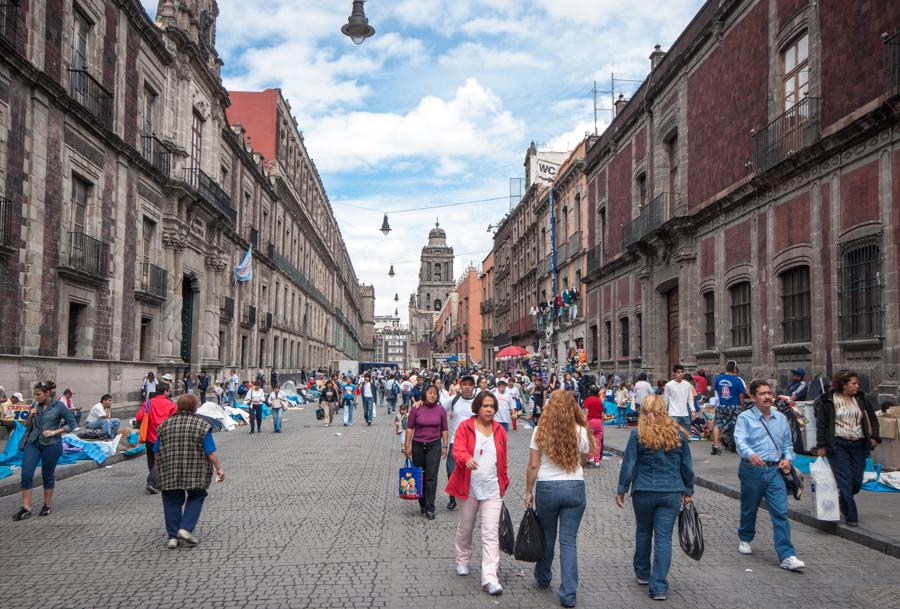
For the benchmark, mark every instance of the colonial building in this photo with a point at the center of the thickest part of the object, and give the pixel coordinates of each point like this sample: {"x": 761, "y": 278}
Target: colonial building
{"x": 486, "y": 282}
{"x": 445, "y": 333}
{"x": 435, "y": 284}
{"x": 127, "y": 199}
{"x": 391, "y": 341}
{"x": 469, "y": 315}
{"x": 745, "y": 201}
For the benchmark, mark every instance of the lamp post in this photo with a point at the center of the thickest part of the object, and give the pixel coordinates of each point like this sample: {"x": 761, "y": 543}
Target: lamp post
{"x": 357, "y": 27}
{"x": 385, "y": 227}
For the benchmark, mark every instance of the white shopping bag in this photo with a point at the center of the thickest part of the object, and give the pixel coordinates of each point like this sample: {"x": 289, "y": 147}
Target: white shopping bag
{"x": 824, "y": 491}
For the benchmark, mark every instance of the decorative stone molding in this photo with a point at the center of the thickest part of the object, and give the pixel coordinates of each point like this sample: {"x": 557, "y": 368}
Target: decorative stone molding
{"x": 175, "y": 234}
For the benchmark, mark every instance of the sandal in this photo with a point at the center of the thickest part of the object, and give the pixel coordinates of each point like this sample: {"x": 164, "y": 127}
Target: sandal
{"x": 22, "y": 514}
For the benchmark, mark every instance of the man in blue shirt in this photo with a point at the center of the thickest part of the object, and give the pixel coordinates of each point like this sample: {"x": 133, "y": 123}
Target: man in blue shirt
{"x": 763, "y": 440}
{"x": 730, "y": 390}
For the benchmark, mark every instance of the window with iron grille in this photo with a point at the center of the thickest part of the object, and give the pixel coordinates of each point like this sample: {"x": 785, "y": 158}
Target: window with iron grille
{"x": 796, "y": 326}
{"x": 740, "y": 314}
{"x": 624, "y": 331}
{"x": 607, "y": 326}
{"x": 861, "y": 289}
{"x": 709, "y": 318}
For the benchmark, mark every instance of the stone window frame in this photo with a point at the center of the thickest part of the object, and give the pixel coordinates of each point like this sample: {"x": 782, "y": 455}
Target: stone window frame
{"x": 72, "y": 293}
{"x": 76, "y": 165}
{"x": 94, "y": 15}
{"x": 730, "y": 288}
{"x": 794, "y": 256}
{"x": 859, "y": 236}
{"x": 803, "y": 21}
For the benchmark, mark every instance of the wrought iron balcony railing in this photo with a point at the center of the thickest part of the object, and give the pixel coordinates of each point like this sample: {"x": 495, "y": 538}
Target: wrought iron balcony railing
{"x": 892, "y": 64}
{"x": 248, "y": 315}
{"x": 9, "y": 16}
{"x": 211, "y": 192}
{"x": 787, "y": 135}
{"x": 157, "y": 154}
{"x": 5, "y": 222}
{"x": 88, "y": 92}
{"x": 153, "y": 280}
{"x": 88, "y": 255}
{"x": 652, "y": 216}
{"x": 226, "y": 311}
{"x": 270, "y": 250}
{"x": 595, "y": 258}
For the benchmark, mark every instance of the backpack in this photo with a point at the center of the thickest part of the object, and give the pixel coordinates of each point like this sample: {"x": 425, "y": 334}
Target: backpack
{"x": 395, "y": 389}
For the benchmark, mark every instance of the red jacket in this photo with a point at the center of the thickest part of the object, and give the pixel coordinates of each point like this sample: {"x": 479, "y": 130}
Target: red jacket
{"x": 161, "y": 408}
{"x": 464, "y": 449}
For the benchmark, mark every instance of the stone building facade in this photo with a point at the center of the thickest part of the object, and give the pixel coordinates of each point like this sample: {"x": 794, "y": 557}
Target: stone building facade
{"x": 127, "y": 199}
{"x": 745, "y": 201}
{"x": 435, "y": 285}
{"x": 486, "y": 282}
{"x": 391, "y": 341}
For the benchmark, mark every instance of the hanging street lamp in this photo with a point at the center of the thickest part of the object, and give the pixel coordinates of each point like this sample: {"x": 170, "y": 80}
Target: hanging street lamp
{"x": 391, "y": 272}
{"x": 385, "y": 227}
{"x": 357, "y": 26}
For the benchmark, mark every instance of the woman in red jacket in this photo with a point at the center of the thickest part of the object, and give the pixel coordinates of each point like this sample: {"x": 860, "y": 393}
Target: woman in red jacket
{"x": 478, "y": 483}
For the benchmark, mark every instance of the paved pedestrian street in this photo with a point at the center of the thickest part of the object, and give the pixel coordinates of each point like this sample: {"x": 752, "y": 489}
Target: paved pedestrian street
{"x": 310, "y": 518}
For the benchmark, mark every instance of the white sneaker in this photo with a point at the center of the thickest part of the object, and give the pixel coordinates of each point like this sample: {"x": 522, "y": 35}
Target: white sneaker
{"x": 744, "y": 548}
{"x": 172, "y": 544}
{"x": 493, "y": 588}
{"x": 187, "y": 537}
{"x": 792, "y": 563}
{"x": 462, "y": 570}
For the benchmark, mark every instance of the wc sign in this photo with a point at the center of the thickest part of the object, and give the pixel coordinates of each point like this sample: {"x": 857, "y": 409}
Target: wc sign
{"x": 546, "y": 170}
{"x": 544, "y": 165}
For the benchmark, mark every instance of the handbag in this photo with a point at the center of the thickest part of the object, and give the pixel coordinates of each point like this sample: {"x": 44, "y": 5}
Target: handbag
{"x": 410, "y": 486}
{"x": 690, "y": 531}
{"x": 507, "y": 536}
{"x": 320, "y": 413}
{"x": 530, "y": 538}
{"x": 793, "y": 479}
{"x": 145, "y": 423}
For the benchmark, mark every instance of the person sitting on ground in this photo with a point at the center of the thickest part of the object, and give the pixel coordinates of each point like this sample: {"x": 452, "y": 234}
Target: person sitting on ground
{"x": 14, "y": 409}
{"x": 100, "y": 417}
{"x": 70, "y": 404}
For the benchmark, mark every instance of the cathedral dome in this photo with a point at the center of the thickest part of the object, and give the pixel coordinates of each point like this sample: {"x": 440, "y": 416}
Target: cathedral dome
{"x": 437, "y": 237}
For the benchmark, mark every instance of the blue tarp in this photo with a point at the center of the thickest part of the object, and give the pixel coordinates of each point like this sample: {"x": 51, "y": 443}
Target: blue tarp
{"x": 5, "y": 471}
{"x": 802, "y": 462}
{"x": 13, "y": 456}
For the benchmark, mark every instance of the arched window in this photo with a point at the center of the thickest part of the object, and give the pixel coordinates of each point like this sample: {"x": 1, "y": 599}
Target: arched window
{"x": 437, "y": 304}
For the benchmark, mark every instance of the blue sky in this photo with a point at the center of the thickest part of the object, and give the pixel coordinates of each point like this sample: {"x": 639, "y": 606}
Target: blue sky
{"x": 439, "y": 106}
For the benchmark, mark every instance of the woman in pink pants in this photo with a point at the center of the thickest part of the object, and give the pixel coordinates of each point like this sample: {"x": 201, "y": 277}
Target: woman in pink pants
{"x": 594, "y": 406}
{"x": 478, "y": 483}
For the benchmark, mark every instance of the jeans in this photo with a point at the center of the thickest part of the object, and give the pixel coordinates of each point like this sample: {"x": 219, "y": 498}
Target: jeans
{"x": 848, "y": 462}
{"x": 406, "y": 398}
{"x": 231, "y": 398}
{"x": 560, "y": 503}
{"x": 655, "y": 513}
{"x": 392, "y": 404}
{"x": 255, "y": 418}
{"x": 451, "y": 462}
{"x": 504, "y": 426}
{"x": 47, "y": 455}
{"x": 202, "y": 396}
{"x": 151, "y": 463}
{"x": 490, "y": 537}
{"x": 756, "y": 483}
{"x": 276, "y": 418}
{"x": 684, "y": 422}
{"x": 348, "y": 412}
{"x": 368, "y": 405}
{"x": 181, "y": 509}
{"x": 109, "y": 426}
{"x": 427, "y": 455}
{"x": 621, "y": 417}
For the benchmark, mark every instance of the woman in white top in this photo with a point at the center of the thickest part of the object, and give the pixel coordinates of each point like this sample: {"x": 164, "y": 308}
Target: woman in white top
{"x": 479, "y": 482}
{"x": 277, "y": 402}
{"x": 559, "y": 447}
{"x": 256, "y": 397}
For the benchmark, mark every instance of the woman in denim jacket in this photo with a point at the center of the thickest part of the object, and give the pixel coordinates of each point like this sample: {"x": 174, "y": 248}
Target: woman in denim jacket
{"x": 48, "y": 420}
{"x": 658, "y": 468}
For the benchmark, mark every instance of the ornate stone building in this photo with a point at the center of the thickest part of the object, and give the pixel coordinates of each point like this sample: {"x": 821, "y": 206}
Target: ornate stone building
{"x": 435, "y": 285}
{"x": 127, "y": 199}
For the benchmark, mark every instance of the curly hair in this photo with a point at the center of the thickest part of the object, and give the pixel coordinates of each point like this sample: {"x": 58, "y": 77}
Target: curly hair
{"x": 656, "y": 429}
{"x": 841, "y": 378}
{"x": 558, "y": 436}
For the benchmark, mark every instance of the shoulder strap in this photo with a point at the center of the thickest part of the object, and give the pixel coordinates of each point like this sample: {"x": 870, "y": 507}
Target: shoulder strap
{"x": 766, "y": 427}
{"x": 454, "y": 401}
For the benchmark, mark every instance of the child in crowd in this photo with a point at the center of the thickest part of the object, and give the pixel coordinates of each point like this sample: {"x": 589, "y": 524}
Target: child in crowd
{"x": 400, "y": 420}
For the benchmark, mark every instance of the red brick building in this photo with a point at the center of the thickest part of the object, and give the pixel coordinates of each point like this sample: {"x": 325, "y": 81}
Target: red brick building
{"x": 745, "y": 198}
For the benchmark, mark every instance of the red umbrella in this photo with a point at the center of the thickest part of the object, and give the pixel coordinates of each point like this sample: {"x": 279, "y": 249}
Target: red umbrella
{"x": 512, "y": 351}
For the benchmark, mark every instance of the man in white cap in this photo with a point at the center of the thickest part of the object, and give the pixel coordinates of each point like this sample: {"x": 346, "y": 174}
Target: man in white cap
{"x": 506, "y": 406}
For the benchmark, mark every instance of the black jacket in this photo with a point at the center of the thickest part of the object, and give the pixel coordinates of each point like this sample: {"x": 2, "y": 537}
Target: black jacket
{"x": 824, "y": 408}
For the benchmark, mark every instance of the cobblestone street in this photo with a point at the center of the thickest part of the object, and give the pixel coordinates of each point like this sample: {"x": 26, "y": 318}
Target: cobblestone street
{"x": 309, "y": 518}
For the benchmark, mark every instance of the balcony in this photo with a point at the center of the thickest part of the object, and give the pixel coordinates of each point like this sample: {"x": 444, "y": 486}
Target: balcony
{"x": 574, "y": 245}
{"x": 561, "y": 251}
{"x": 486, "y": 305}
{"x": 88, "y": 92}
{"x": 892, "y": 65}
{"x": 9, "y": 14}
{"x": 151, "y": 283}
{"x": 487, "y": 335}
{"x": 465, "y": 329}
{"x": 87, "y": 257}
{"x": 787, "y": 135}
{"x": 211, "y": 192}
{"x": 6, "y": 216}
{"x": 157, "y": 154}
{"x": 652, "y": 216}
{"x": 270, "y": 250}
{"x": 265, "y": 323}
{"x": 595, "y": 258}
{"x": 543, "y": 267}
{"x": 254, "y": 238}
{"x": 226, "y": 311}
{"x": 502, "y": 339}
{"x": 248, "y": 316}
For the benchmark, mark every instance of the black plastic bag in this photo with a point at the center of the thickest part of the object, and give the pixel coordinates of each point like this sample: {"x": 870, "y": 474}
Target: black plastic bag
{"x": 530, "y": 538}
{"x": 690, "y": 531}
{"x": 507, "y": 536}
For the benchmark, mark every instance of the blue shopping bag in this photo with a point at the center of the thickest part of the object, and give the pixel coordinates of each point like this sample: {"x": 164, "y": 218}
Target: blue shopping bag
{"x": 410, "y": 481}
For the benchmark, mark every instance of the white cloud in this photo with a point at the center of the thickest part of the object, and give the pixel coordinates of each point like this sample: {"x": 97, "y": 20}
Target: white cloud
{"x": 570, "y": 139}
{"x": 472, "y": 124}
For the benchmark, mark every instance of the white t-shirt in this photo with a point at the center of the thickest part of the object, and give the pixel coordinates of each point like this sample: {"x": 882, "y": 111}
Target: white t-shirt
{"x": 678, "y": 398}
{"x": 551, "y": 471}
{"x": 456, "y": 413}
{"x": 277, "y": 400}
{"x": 484, "y": 482}
{"x": 504, "y": 403}
{"x": 97, "y": 412}
{"x": 641, "y": 390}
{"x": 367, "y": 390}
{"x": 257, "y": 396}
{"x": 406, "y": 386}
